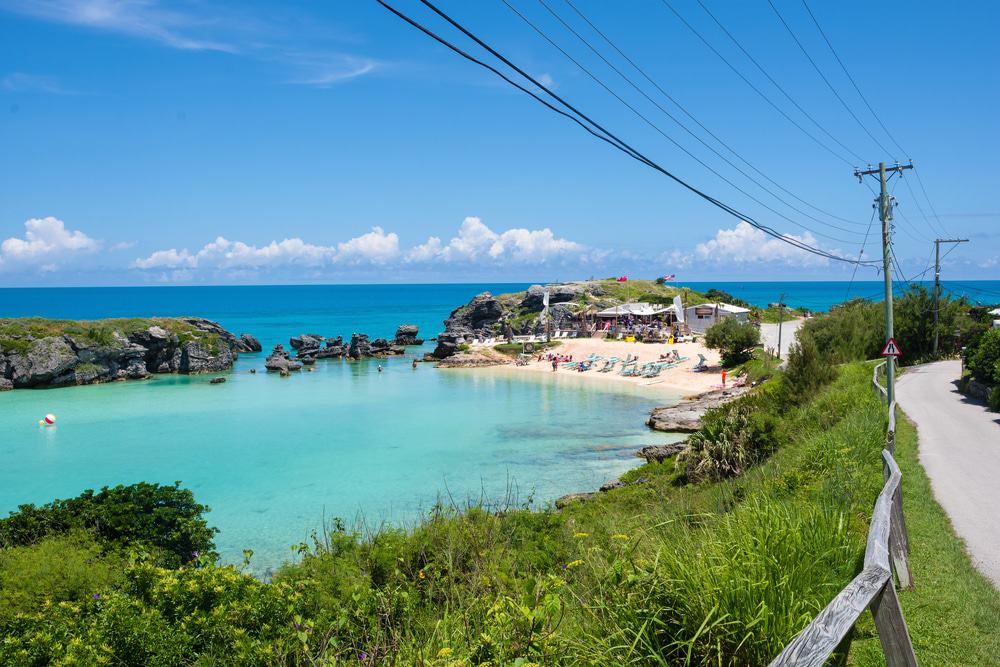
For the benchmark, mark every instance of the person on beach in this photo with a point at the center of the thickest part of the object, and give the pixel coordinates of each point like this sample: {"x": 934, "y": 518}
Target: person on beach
{"x": 723, "y": 379}
{"x": 555, "y": 365}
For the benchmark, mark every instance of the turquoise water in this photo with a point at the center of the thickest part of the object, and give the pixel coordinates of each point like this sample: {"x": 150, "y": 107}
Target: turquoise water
{"x": 273, "y": 456}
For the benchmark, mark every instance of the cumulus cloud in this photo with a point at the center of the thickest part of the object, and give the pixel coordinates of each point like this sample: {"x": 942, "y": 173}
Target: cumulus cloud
{"x": 376, "y": 246}
{"x": 745, "y": 244}
{"x": 475, "y": 241}
{"x": 46, "y": 243}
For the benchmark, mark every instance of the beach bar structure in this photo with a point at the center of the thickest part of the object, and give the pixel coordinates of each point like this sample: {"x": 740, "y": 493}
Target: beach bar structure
{"x": 701, "y": 317}
{"x": 642, "y": 313}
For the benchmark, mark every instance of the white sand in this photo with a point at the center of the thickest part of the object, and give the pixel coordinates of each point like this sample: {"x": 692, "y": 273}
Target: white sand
{"x": 678, "y": 380}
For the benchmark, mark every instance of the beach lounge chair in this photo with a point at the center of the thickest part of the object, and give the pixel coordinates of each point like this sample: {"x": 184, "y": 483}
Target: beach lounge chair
{"x": 701, "y": 365}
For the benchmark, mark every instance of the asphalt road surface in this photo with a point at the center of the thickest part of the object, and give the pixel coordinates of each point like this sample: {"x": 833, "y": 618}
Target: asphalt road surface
{"x": 769, "y": 335}
{"x": 960, "y": 450}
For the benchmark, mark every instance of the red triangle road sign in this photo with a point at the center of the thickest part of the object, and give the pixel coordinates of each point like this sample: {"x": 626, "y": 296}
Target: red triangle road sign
{"x": 891, "y": 349}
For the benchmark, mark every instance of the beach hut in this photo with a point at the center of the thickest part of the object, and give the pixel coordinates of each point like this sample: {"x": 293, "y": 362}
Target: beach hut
{"x": 701, "y": 317}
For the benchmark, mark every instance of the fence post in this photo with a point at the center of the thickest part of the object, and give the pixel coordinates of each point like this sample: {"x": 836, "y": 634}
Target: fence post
{"x": 899, "y": 540}
{"x": 892, "y": 631}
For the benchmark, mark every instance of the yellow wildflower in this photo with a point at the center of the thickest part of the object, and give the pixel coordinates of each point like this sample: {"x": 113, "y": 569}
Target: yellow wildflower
{"x": 581, "y": 535}
{"x": 572, "y": 564}
{"x": 422, "y": 575}
{"x": 620, "y": 536}
{"x": 445, "y": 652}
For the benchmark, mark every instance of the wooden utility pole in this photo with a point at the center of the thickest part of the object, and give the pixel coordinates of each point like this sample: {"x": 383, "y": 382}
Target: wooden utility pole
{"x": 781, "y": 320}
{"x": 937, "y": 283}
{"x": 884, "y": 203}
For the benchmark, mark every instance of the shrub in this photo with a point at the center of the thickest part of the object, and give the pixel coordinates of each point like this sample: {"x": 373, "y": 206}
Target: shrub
{"x": 852, "y": 331}
{"x": 807, "y": 370}
{"x": 64, "y": 568}
{"x": 984, "y": 357}
{"x": 731, "y": 440}
{"x": 166, "y": 518}
{"x": 735, "y": 340}
{"x": 994, "y": 401}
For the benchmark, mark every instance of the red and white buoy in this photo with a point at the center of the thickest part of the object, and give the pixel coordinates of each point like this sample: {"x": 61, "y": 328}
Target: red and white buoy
{"x": 50, "y": 420}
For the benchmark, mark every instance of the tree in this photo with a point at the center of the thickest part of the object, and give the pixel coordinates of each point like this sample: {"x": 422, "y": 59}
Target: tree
{"x": 735, "y": 340}
{"x": 807, "y": 369}
{"x": 984, "y": 358}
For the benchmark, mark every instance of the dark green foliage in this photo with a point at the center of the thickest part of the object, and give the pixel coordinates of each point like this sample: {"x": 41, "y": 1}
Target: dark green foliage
{"x": 166, "y": 518}
{"x": 852, "y": 331}
{"x": 913, "y": 319}
{"x": 716, "y": 295}
{"x": 807, "y": 370}
{"x": 994, "y": 401}
{"x": 732, "y": 438}
{"x": 984, "y": 357}
{"x": 735, "y": 340}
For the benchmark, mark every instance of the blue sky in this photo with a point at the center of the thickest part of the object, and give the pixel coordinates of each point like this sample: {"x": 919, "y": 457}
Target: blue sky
{"x": 149, "y": 142}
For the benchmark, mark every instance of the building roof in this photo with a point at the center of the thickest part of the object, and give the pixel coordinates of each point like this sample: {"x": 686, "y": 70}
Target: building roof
{"x": 639, "y": 309}
{"x": 727, "y": 307}
{"x": 995, "y": 311}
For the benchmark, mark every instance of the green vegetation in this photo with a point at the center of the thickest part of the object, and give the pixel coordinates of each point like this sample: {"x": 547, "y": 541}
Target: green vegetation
{"x": 514, "y": 349}
{"x": 718, "y": 558}
{"x": 162, "y": 518}
{"x": 984, "y": 357}
{"x": 953, "y": 612}
{"x": 16, "y": 334}
{"x": 735, "y": 340}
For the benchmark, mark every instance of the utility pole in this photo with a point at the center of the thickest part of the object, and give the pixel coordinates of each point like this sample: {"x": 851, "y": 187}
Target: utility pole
{"x": 781, "y": 320}
{"x": 937, "y": 283}
{"x": 884, "y": 203}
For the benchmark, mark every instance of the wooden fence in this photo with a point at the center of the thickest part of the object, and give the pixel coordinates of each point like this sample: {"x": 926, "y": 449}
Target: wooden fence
{"x": 886, "y": 552}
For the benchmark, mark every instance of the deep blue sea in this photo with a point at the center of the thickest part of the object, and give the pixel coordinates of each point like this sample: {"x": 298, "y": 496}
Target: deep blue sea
{"x": 275, "y": 457}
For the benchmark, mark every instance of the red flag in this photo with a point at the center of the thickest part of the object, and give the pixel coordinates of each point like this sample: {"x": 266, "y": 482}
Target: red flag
{"x": 622, "y": 279}
{"x": 669, "y": 276}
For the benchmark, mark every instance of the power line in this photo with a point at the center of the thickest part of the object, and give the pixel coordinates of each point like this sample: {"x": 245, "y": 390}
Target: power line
{"x": 596, "y": 129}
{"x": 660, "y": 130}
{"x": 851, "y": 78}
{"x": 825, "y": 80}
{"x": 768, "y": 99}
{"x": 680, "y": 106}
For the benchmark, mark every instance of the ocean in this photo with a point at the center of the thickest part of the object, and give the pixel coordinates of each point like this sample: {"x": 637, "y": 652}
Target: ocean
{"x": 276, "y": 457}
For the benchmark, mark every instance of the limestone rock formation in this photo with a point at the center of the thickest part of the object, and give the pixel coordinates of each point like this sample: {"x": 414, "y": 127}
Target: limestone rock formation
{"x": 406, "y": 334}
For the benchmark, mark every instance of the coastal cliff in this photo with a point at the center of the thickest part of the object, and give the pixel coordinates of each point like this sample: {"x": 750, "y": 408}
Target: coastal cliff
{"x": 38, "y": 352}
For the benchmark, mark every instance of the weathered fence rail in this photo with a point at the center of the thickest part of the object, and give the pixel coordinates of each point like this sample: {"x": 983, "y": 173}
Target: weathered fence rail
{"x": 886, "y": 552}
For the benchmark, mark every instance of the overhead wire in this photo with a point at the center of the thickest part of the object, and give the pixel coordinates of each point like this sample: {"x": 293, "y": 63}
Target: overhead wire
{"x": 680, "y": 106}
{"x": 664, "y": 134}
{"x": 598, "y": 130}
{"x": 767, "y": 99}
{"x": 829, "y": 85}
{"x": 851, "y": 78}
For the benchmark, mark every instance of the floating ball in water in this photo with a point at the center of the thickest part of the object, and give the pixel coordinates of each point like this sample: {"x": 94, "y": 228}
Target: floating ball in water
{"x": 49, "y": 420}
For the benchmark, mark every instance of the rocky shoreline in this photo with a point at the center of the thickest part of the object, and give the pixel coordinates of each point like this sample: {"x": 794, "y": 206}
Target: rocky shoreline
{"x": 686, "y": 416}
{"x": 39, "y": 353}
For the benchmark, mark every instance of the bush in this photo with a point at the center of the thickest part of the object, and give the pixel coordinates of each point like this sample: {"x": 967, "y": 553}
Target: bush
{"x": 165, "y": 518}
{"x": 807, "y": 370}
{"x": 731, "y": 440}
{"x": 64, "y": 568}
{"x": 735, "y": 340}
{"x": 984, "y": 358}
{"x": 994, "y": 401}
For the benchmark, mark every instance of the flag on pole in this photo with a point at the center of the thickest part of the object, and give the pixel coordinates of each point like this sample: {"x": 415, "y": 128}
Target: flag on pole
{"x": 622, "y": 279}
{"x": 669, "y": 276}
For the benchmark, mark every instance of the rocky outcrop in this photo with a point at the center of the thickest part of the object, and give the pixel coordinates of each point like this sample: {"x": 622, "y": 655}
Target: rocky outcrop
{"x": 447, "y": 345}
{"x": 571, "y": 498}
{"x": 660, "y": 453}
{"x": 359, "y": 347}
{"x": 533, "y": 299}
{"x": 475, "y": 359}
{"x": 406, "y": 334}
{"x": 306, "y": 341}
{"x": 248, "y": 343}
{"x": 483, "y": 312}
{"x": 279, "y": 362}
{"x": 51, "y": 353}
{"x": 686, "y": 417}
{"x": 5, "y": 384}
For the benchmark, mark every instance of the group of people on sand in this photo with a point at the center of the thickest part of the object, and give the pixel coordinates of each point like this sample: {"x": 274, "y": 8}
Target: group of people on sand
{"x": 556, "y": 359}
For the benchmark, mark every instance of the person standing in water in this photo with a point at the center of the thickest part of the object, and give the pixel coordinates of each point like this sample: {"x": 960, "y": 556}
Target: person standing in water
{"x": 380, "y": 368}
{"x": 414, "y": 364}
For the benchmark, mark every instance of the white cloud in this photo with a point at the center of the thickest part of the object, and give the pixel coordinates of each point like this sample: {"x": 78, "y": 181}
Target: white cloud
{"x": 19, "y": 82}
{"x": 45, "y": 244}
{"x": 376, "y": 246}
{"x": 746, "y": 244}
{"x": 475, "y": 240}
{"x": 165, "y": 259}
{"x": 546, "y": 80}
{"x": 147, "y": 19}
{"x": 323, "y": 70}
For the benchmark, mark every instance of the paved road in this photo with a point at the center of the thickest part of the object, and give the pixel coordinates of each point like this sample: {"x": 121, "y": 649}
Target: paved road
{"x": 960, "y": 450}
{"x": 769, "y": 335}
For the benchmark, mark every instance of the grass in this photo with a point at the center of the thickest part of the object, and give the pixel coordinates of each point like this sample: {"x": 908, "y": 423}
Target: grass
{"x": 16, "y": 334}
{"x": 953, "y": 612}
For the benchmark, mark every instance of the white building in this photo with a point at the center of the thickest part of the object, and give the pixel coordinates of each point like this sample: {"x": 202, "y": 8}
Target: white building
{"x": 996, "y": 314}
{"x": 701, "y": 317}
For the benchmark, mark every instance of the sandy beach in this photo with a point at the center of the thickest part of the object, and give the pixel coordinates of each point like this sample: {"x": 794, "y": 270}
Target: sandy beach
{"x": 679, "y": 379}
